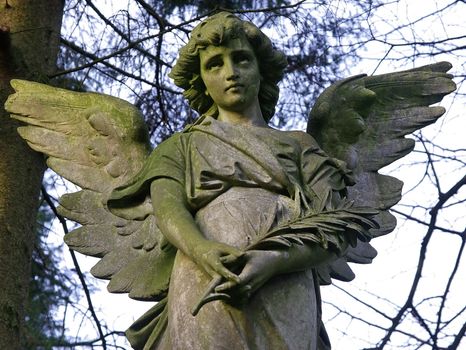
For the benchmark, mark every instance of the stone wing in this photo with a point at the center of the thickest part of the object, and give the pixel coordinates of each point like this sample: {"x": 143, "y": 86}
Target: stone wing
{"x": 363, "y": 120}
{"x": 98, "y": 142}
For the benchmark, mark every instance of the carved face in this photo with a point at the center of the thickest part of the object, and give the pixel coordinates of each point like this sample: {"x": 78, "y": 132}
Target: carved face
{"x": 231, "y": 74}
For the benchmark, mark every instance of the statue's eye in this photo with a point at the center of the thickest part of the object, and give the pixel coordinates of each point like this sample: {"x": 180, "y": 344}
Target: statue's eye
{"x": 214, "y": 63}
{"x": 243, "y": 58}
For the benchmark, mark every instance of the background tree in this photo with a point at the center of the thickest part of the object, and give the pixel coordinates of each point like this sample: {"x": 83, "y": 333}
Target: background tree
{"x": 127, "y": 48}
{"x": 29, "y": 32}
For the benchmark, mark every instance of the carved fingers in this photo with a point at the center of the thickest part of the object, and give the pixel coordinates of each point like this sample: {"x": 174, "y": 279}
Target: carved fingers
{"x": 259, "y": 267}
{"x": 213, "y": 256}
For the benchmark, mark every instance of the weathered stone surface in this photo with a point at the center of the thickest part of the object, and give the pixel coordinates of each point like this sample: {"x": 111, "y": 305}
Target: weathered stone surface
{"x": 230, "y": 224}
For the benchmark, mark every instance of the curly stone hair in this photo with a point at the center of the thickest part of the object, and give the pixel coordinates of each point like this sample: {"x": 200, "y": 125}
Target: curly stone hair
{"x": 216, "y": 30}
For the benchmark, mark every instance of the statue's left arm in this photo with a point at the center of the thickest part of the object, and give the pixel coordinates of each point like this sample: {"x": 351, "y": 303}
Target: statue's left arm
{"x": 261, "y": 265}
{"x": 326, "y": 179}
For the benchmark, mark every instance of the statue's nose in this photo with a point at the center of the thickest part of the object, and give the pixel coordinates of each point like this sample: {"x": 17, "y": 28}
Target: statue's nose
{"x": 231, "y": 70}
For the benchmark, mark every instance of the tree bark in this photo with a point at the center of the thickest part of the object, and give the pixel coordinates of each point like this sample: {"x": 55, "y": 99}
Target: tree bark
{"x": 29, "y": 42}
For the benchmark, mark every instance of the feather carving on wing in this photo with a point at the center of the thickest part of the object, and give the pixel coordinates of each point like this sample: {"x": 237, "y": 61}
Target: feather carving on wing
{"x": 363, "y": 120}
{"x": 98, "y": 142}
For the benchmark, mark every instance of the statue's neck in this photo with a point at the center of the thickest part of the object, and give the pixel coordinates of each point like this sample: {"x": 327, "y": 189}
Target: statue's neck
{"x": 247, "y": 116}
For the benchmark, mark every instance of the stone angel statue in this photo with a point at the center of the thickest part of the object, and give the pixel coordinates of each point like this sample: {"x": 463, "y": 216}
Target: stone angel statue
{"x": 231, "y": 226}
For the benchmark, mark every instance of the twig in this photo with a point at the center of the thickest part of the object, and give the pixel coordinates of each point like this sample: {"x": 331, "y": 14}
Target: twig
{"x": 443, "y": 197}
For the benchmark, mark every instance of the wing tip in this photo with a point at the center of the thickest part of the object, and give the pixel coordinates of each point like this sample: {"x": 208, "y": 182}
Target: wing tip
{"x": 442, "y": 66}
{"x": 17, "y": 84}
{"x": 21, "y": 85}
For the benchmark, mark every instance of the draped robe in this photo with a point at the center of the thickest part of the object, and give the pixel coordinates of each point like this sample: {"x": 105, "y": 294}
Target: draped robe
{"x": 241, "y": 181}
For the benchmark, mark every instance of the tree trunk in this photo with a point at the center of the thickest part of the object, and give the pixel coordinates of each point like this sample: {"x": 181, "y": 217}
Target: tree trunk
{"x": 28, "y": 49}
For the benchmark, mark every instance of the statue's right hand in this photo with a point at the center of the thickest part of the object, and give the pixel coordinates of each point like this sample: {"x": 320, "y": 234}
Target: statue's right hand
{"x": 211, "y": 256}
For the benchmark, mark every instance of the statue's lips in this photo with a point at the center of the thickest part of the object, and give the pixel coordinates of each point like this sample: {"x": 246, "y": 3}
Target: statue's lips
{"x": 234, "y": 87}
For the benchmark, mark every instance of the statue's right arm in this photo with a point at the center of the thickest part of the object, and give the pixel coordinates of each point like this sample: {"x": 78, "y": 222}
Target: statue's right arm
{"x": 177, "y": 225}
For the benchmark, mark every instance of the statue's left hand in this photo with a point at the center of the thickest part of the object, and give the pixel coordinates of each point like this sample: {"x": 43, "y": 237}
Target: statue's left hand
{"x": 259, "y": 267}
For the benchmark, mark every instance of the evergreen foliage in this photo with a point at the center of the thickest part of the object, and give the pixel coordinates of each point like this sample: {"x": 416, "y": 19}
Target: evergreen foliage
{"x": 50, "y": 288}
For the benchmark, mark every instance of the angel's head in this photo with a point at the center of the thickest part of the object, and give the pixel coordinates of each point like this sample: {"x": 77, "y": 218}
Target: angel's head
{"x": 219, "y": 30}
